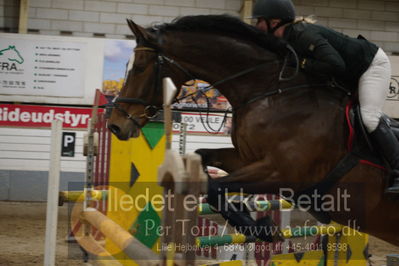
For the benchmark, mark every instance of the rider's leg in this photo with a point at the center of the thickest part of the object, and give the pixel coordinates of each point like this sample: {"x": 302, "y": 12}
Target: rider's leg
{"x": 373, "y": 89}
{"x": 388, "y": 145}
{"x": 238, "y": 215}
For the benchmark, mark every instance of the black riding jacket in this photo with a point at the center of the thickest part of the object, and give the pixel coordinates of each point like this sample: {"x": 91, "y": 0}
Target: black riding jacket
{"x": 330, "y": 52}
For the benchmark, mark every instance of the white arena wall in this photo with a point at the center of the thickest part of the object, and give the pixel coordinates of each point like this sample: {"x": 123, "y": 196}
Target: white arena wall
{"x": 24, "y": 152}
{"x": 25, "y": 158}
{"x": 376, "y": 20}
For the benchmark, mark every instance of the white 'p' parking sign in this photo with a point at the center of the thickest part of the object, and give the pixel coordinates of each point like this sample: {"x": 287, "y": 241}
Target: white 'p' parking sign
{"x": 68, "y": 144}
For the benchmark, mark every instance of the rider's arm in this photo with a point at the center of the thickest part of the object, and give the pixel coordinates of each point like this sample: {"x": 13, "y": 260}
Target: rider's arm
{"x": 322, "y": 57}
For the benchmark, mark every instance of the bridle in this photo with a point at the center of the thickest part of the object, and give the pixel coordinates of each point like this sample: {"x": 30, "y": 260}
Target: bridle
{"x": 150, "y": 110}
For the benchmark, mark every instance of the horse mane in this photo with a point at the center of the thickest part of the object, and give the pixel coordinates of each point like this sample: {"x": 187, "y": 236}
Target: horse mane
{"x": 226, "y": 25}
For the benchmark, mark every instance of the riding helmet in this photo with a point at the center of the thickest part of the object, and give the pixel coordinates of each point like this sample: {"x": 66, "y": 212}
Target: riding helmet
{"x": 274, "y": 9}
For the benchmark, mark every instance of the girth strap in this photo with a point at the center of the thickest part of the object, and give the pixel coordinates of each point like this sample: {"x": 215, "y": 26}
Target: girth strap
{"x": 347, "y": 163}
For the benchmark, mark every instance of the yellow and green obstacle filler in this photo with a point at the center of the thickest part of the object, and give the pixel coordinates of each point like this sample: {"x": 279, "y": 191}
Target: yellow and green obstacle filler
{"x": 228, "y": 239}
{"x": 79, "y": 196}
{"x": 346, "y": 248}
{"x": 253, "y": 205}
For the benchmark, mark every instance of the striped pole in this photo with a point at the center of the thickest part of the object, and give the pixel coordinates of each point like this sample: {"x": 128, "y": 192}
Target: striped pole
{"x": 79, "y": 195}
{"x": 228, "y": 239}
{"x": 182, "y": 138}
{"x": 330, "y": 229}
{"x": 169, "y": 91}
{"x": 254, "y": 206}
{"x": 210, "y": 241}
{"x": 132, "y": 247}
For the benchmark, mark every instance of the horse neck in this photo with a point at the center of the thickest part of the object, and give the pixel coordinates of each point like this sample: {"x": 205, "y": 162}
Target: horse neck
{"x": 215, "y": 58}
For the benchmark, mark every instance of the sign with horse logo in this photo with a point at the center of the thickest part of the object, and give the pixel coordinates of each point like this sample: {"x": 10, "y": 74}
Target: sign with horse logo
{"x": 13, "y": 56}
{"x": 43, "y": 68}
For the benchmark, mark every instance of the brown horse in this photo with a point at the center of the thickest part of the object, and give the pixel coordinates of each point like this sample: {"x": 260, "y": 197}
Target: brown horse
{"x": 286, "y": 133}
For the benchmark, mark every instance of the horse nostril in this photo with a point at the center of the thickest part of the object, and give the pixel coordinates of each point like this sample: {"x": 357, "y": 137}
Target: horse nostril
{"x": 114, "y": 129}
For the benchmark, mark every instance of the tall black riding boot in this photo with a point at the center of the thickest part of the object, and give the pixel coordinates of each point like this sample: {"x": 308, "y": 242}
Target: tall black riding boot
{"x": 388, "y": 145}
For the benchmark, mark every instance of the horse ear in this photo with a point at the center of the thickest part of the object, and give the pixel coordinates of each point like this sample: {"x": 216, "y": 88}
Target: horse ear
{"x": 140, "y": 33}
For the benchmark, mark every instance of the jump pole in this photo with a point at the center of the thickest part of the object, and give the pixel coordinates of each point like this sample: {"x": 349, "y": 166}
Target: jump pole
{"x": 133, "y": 248}
{"x": 254, "y": 206}
{"x": 227, "y": 239}
{"x": 52, "y": 194}
{"x": 169, "y": 90}
{"x": 185, "y": 173}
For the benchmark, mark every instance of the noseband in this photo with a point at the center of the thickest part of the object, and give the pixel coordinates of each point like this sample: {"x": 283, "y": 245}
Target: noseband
{"x": 150, "y": 111}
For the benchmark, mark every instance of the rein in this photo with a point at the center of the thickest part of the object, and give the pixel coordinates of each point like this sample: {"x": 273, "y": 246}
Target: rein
{"x": 331, "y": 84}
{"x": 151, "y": 111}
{"x": 246, "y": 71}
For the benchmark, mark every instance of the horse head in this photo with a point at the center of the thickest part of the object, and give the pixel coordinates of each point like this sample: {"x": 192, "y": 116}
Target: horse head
{"x": 141, "y": 95}
{"x": 211, "y": 48}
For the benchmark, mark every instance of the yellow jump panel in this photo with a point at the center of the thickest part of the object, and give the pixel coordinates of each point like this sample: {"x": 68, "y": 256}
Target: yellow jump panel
{"x": 133, "y": 189}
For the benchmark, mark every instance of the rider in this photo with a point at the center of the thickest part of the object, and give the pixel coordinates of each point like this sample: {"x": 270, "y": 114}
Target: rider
{"x": 356, "y": 62}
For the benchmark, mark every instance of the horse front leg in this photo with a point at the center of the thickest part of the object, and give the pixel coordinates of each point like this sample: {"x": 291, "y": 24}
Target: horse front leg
{"x": 227, "y": 159}
{"x": 256, "y": 178}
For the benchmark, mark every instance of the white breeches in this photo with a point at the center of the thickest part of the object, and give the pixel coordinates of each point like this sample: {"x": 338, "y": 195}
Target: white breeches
{"x": 373, "y": 90}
